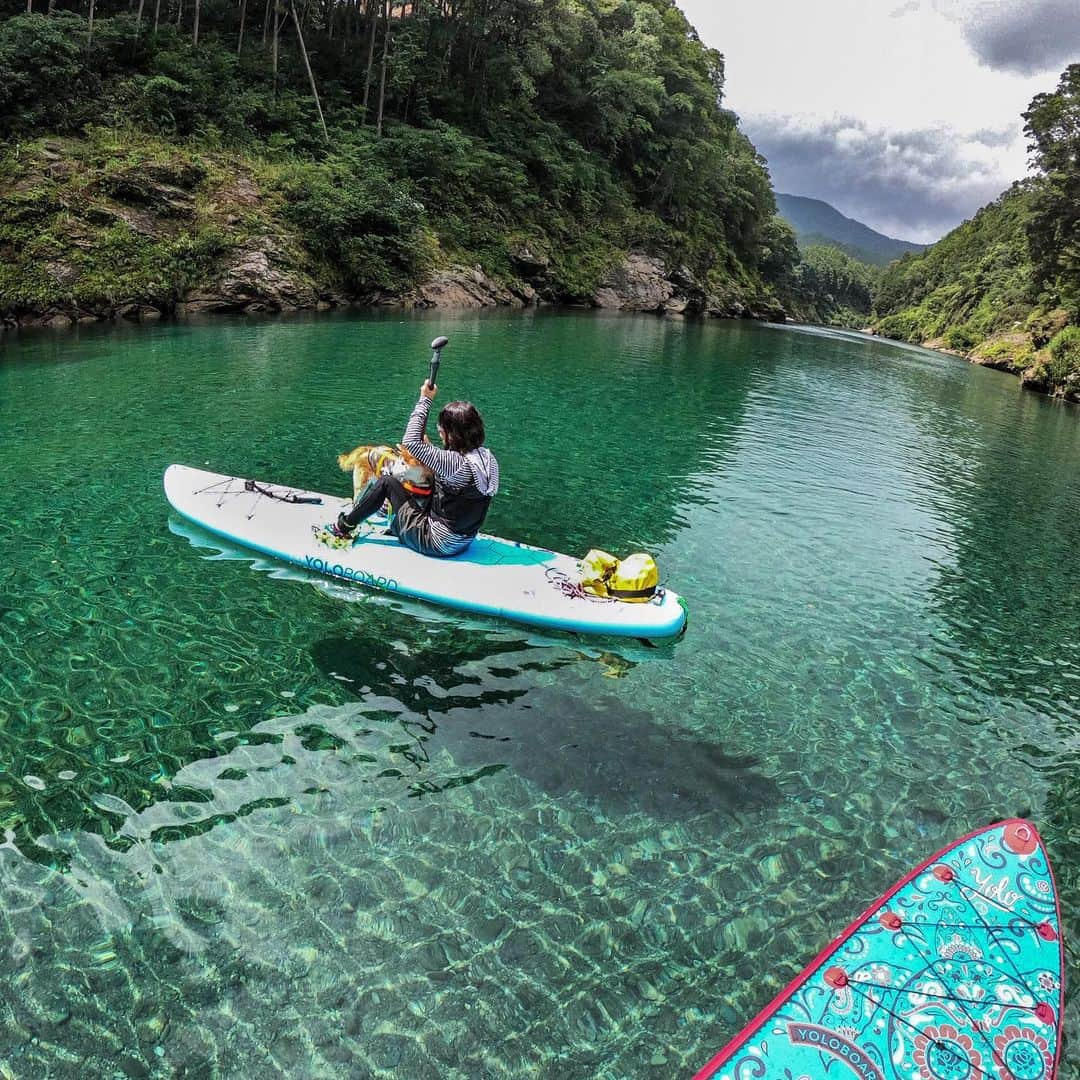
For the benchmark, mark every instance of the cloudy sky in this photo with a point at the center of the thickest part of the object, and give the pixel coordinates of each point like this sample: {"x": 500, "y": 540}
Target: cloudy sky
{"x": 904, "y": 114}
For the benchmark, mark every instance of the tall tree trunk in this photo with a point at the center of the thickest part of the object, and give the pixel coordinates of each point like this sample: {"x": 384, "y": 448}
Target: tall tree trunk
{"x": 90, "y": 35}
{"x": 29, "y": 7}
{"x": 157, "y": 15}
{"x": 195, "y": 27}
{"x": 372, "y": 30}
{"x": 138, "y": 18}
{"x": 382, "y": 68}
{"x": 240, "y": 38}
{"x": 179, "y": 12}
{"x": 277, "y": 38}
{"x": 266, "y": 22}
{"x": 307, "y": 68}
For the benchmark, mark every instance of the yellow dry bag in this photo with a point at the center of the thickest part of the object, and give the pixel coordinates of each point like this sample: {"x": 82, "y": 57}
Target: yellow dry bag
{"x": 596, "y": 568}
{"x": 635, "y": 579}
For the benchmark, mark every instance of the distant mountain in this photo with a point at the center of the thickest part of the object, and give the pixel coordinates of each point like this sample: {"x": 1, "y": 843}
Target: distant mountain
{"x": 816, "y": 222}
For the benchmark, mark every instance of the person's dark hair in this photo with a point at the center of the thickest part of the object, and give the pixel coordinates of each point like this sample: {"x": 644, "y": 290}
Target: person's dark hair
{"x": 464, "y": 426}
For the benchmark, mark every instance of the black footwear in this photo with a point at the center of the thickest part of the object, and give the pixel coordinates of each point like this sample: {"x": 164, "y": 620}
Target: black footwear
{"x": 342, "y": 529}
{"x": 336, "y": 534}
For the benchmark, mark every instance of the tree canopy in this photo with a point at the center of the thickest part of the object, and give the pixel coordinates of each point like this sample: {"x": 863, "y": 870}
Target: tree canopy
{"x": 1053, "y": 227}
{"x": 576, "y": 124}
{"x": 1004, "y": 286}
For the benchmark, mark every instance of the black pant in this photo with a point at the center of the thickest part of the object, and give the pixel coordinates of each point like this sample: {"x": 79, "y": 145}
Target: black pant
{"x": 410, "y": 523}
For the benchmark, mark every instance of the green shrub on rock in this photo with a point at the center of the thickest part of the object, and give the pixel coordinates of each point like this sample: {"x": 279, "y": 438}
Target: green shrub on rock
{"x": 961, "y": 338}
{"x": 1057, "y": 370}
{"x": 1065, "y": 353}
{"x": 1044, "y": 325}
{"x": 903, "y": 326}
{"x": 352, "y": 216}
{"x": 1012, "y": 352}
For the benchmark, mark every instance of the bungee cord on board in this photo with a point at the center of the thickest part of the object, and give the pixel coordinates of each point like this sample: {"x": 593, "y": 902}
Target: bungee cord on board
{"x": 260, "y": 491}
{"x": 839, "y": 979}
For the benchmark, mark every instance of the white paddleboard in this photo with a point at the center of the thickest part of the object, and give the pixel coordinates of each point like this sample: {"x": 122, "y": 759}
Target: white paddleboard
{"x": 492, "y": 577}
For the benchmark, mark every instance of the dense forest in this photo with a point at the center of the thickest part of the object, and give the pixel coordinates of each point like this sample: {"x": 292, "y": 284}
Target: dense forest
{"x": 156, "y": 152}
{"x": 170, "y": 156}
{"x": 1004, "y": 287}
{"x": 831, "y": 287}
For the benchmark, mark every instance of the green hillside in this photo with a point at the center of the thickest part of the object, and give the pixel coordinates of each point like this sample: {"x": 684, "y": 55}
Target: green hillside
{"x": 830, "y": 288}
{"x": 1003, "y": 289}
{"x": 975, "y": 293}
{"x": 169, "y": 153}
{"x": 816, "y": 222}
{"x": 974, "y": 282}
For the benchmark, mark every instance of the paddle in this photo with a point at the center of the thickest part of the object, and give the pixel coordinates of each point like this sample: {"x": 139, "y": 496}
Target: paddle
{"x": 437, "y": 347}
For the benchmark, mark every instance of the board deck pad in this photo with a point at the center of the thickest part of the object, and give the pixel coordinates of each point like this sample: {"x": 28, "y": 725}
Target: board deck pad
{"x": 955, "y": 974}
{"x": 492, "y": 577}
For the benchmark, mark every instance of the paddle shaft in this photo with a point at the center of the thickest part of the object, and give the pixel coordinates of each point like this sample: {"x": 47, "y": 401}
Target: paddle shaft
{"x": 437, "y": 347}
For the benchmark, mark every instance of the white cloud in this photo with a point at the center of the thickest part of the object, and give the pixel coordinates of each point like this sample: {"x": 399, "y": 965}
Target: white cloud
{"x": 914, "y": 185}
{"x": 882, "y": 66}
{"x": 1029, "y": 38}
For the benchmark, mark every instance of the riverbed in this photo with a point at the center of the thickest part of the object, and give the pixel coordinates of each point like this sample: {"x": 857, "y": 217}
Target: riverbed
{"x": 260, "y": 823}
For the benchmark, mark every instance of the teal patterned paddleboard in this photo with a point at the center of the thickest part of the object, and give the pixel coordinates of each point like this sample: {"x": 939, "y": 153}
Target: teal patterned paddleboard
{"x": 956, "y": 973}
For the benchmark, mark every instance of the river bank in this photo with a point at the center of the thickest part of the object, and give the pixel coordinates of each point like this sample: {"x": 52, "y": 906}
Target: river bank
{"x": 107, "y": 229}
{"x": 1015, "y": 353}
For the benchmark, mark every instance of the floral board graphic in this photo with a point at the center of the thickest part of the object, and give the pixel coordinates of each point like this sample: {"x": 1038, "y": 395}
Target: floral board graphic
{"x": 955, "y": 974}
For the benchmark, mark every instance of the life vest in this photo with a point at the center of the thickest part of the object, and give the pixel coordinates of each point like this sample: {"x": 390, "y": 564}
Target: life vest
{"x": 395, "y": 463}
{"x": 462, "y": 511}
{"x": 633, "y": 579}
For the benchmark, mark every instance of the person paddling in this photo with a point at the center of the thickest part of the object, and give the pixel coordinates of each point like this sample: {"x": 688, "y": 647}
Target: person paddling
{"x": 466, "y": 478}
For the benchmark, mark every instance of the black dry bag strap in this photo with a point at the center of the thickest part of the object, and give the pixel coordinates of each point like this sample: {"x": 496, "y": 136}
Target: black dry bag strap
{"x": 632, "y": 594}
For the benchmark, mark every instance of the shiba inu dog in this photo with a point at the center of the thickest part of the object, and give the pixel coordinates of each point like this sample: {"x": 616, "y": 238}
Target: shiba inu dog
{"x": 369, "y": 462}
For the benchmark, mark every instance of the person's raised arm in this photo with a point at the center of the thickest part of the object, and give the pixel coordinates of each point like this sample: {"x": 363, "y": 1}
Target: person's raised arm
{"x": 443, "y": 463}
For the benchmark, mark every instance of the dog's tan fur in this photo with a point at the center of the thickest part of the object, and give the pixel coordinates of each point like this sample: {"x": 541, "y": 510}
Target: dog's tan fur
{"x": 369, "y": 462}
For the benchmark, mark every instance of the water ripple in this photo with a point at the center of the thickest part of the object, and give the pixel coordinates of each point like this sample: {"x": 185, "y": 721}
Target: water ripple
{"x": 256, "y": 822}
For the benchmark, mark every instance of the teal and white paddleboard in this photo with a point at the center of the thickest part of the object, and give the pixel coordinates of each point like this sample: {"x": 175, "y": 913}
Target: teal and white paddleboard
{"x": 493, "y": 577}
{"x": 956, "y": 973}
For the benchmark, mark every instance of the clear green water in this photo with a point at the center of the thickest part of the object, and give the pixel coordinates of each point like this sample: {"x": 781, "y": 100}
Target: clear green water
{"x": 258, "y": 824}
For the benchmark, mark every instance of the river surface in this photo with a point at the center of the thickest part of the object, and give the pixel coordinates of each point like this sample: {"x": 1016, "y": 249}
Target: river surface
{"x": 261, "y": 824}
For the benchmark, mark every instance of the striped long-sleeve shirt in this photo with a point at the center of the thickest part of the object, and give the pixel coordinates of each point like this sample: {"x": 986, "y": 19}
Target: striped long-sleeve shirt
{"x": 476, "y": 472}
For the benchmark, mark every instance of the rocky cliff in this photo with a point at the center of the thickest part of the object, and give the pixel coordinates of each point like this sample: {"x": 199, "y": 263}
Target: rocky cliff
{"x": 91, "y": 231}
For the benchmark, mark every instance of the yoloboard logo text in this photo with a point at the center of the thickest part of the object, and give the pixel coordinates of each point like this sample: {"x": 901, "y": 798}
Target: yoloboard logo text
{"x": 831, "y": 1043}
{"x": 350, "y": 573}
